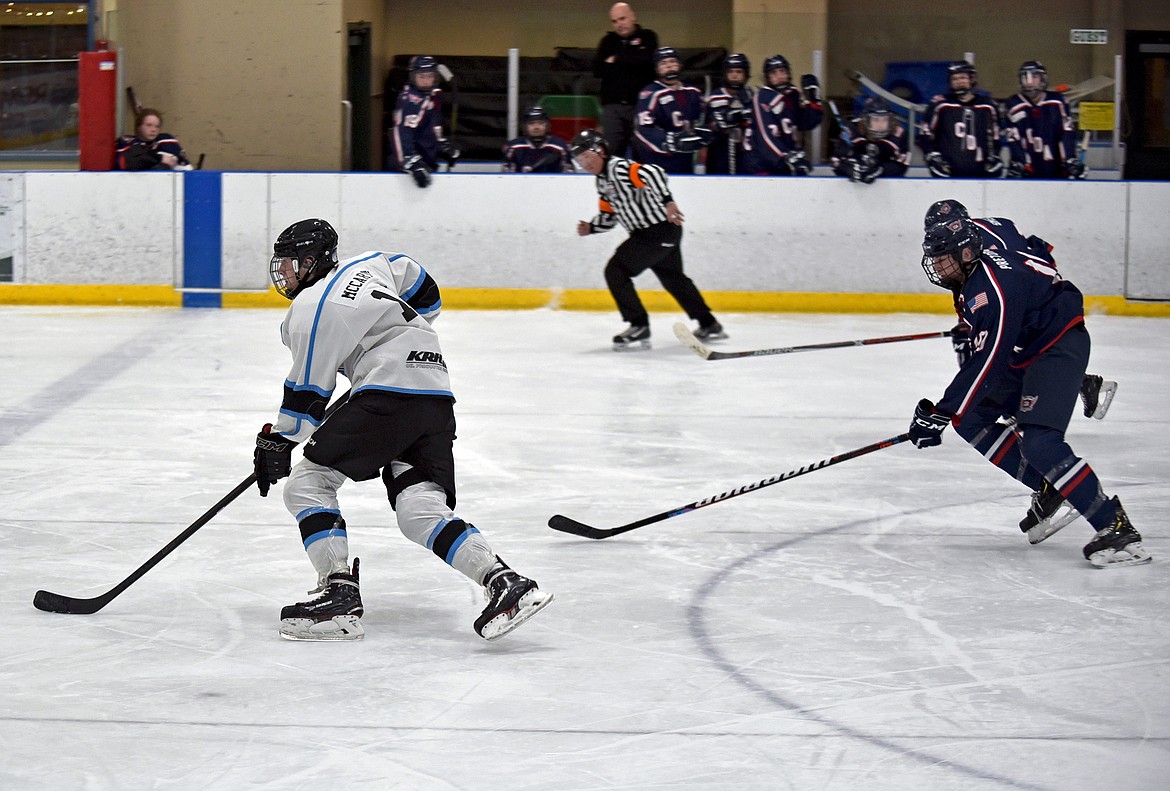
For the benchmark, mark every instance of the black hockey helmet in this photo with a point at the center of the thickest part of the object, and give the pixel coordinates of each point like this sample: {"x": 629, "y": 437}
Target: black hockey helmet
{"x": 957, "y": 67}
{"x": 737, "y": 60}
{"x": 589, "y": 140}
{"x": 877, "y": 117}
{"x": 1033, "y": 78}
{"x": 950, "y": 251}
{"x": 536, "y": 115}
{"x": 944, "y": 211}
{"x": 665, "y": 53}
{"x": 775, "y": 62}
{"x": 303, "y": 254}
{"x": 423, "y": 64}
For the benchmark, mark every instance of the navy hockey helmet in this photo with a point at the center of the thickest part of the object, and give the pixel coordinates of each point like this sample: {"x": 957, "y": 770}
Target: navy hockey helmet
{"x": 944, "y": 211}
{"x": 423, "y": 64}
{"x": 303, "y": 254}
{"x": 589, "y": 140}
{"x": 950, "y": 251}
{"x": 777, "y": 62}
{"x": 1033, "y": 78}
{"x": 736, "y": 60}
{"x": 877, "y": 117}
{"x": 955, "y": 68}
{"x": 666, "y": 53}
{"x": 537, "y": 115}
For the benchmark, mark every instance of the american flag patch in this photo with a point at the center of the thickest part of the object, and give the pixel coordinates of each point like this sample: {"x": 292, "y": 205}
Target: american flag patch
{"x": 980, "y": 301}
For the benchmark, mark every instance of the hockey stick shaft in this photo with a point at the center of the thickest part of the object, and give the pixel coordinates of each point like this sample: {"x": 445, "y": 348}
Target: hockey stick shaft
{"x": 55, "y": 602}
{"x": 566, "y": 525}
{"x": 688, "y": 339}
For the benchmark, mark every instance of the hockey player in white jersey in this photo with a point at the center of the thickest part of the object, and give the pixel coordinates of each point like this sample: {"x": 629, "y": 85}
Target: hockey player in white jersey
{"x": 369, "y": 318}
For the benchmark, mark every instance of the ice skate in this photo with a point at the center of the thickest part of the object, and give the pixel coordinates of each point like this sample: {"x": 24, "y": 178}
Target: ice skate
{"x": 633, "y": 337}
{"x": 511, "y": 600}
{"x": 334, "y": 615}
{"x": 1119, "y": 544}
{"x": 1048, "y": 513}
{"x": 1096, "y": 395}
{"x": 712, "y": 332}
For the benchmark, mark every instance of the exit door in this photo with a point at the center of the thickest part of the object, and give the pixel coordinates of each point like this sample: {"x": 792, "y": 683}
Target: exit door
{"x": 1147, "y": 100}
{"x": 358, "y": 68}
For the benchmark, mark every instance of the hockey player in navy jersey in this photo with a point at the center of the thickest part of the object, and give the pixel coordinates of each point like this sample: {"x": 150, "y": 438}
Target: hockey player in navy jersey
{"x": 879, "y": 146}
{"x": 728, "y": 114}
{"x": 959, "y": 134}
{"x": 417, "y": 143}
{"x": 369, "y": 318}
{"x": 538, "y": 151}
{"x": 779, "y": 111}
{"x": 668, "y": 117}
{"x": 1029, "y": 350}
{"x": 1040, "y": 131}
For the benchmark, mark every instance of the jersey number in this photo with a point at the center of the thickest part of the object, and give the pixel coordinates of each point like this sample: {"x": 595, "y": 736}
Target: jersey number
{"x": 408, "y": 313}
{"x": 979, "y": 341}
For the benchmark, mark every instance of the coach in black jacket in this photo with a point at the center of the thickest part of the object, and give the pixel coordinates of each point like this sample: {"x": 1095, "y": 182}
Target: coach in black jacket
{"x": 624, "y": 62}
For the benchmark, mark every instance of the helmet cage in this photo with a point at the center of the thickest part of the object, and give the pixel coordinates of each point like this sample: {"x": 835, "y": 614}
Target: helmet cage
{"x": 303, "y": 254}
{"x": 950, "y": 251}
{"x": 1033, "y": 79}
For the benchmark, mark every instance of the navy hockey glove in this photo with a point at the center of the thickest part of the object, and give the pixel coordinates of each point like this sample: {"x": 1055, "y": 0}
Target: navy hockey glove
{"x": 1075, "y": 168}
{"x": 273, "y": 458}
{"x": 939, "y": 167}
{"x": 798, "y": 163}
{"x": 811, "y": 88}
{"x": 993, "y": 167}
{"x": 927, "y": 426}
{"x": 418, "y": 170}
{"x": 961, "y": 343}
{"x": 449, "y": 153}
{"x": 735, "y": 118}
{"x": 683, "y": 142}
{"x": 865, "y": 169}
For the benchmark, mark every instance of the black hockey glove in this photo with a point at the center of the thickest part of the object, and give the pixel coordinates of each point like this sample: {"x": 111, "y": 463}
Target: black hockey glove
{"x": 865, "y": 169}
{"x": 683, "y": 142}
{"x": 961, "y": 343}
{"x": 939, "y": 167}
{"x": 273, "y": 458}
{"x": 735, "y": 118}
{"x": 418, "y": 170}
{"x": 1016, "y": 169}
{"x": 449, "y": 153}
{"x": 1075, "y": 168}
{"x": 798, "y": 163}
{"x": 993, "y": 167}
{"x": 927, "y": 426}
{"x": 811, "y": 88}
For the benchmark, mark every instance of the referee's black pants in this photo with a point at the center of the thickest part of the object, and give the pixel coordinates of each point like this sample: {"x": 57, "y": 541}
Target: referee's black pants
{"x": 659, "y": 249}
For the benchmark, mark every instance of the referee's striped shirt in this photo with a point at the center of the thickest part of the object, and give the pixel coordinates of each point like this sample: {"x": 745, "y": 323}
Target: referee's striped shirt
{"x": 633, "y": 193}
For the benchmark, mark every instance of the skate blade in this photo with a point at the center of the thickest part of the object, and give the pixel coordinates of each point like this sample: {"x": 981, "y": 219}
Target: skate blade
{"x": 339, "y": 627}
{"x": 1104, "y": 399}
{"x": 1130, "y": 555}
{"x": 1065, "y": 515}
{"x": 529, "y": 605}
{"x": 625, "y": 347}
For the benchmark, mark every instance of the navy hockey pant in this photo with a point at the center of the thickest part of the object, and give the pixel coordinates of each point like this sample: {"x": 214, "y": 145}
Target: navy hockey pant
{"x": 1042, "y": 398}
{"x": 659, "y": 249}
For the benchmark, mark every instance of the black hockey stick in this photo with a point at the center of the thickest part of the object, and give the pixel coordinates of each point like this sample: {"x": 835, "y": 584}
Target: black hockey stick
{"x": 567, "y": 525}
{"x": 55, "y": 602}
{"x": 707, "y": 353}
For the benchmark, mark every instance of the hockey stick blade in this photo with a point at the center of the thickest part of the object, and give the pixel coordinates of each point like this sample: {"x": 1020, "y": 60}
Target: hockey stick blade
{"x": 55, "y": 602}
{"x": 693, "y": 343}
{"x": 566, "y": 525}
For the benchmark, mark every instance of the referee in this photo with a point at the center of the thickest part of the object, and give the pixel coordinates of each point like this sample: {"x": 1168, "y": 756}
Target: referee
{"x": 637, "y": 195}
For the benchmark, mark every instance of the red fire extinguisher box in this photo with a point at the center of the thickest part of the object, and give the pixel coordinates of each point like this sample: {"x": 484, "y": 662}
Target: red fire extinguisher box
{"x": 97, "y": 109}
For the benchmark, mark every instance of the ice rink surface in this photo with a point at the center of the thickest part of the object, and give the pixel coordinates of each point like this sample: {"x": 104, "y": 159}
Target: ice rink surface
{"x": 878, "y": 624}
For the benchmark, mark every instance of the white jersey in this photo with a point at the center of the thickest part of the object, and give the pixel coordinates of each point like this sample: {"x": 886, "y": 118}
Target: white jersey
{"x": 370, "y": 320}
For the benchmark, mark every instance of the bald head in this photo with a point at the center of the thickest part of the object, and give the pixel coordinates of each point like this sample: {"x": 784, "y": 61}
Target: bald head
{"x": 623, "y": 19}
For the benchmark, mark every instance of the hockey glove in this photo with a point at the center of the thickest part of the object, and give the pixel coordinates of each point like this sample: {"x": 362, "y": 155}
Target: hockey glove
{"x": 798, "y": 163}
{"x": 273, "y": 458}
{"x": 811, "y": 88}
{"x": 735, "y": 118}
{"x": 865, "y": 169}
{"x": 939, "y": 167}
{"x": 1075, "y": 168}
{"x": 1016, "y": 170}
{"x": 418, "y": 170}
{"x": 683, "y": 142}
{"x": 449, "y": 153}
{"x": 961, "y": 343}
{"x": 927, "y": 426}
{"x": 993, "y": 167}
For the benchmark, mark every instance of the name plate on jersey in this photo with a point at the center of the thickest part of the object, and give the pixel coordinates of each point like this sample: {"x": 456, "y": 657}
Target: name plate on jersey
{"x": 1086, "y": 36}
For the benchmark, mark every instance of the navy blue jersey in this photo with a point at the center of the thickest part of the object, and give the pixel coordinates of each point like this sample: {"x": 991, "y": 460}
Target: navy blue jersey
{"x": 966, "y": 134}
{"x": 727, "y": 113}
{"x": 777, "y": 114}
{"x": 1040, "y": 135}
{"x": 1017, "y": 305}
{"x": 662, "y": 109}
{"x": 131, "y": 152}
{"x": 891, "y": 153}
{"x": 418, "y": 127}
{"x": 549, "y": 156}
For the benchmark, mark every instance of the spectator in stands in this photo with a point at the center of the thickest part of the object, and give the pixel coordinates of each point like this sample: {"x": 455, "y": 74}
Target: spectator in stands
{"x": 149, "y": 148}
{"x": 1039, "y": 129}
{"x": 416, "y": 139}
{"x": 669, "y": 114}
{"x": 624, "y": 62}
{"x": 537, "y": 151}
{"x": 876, "y": 146}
